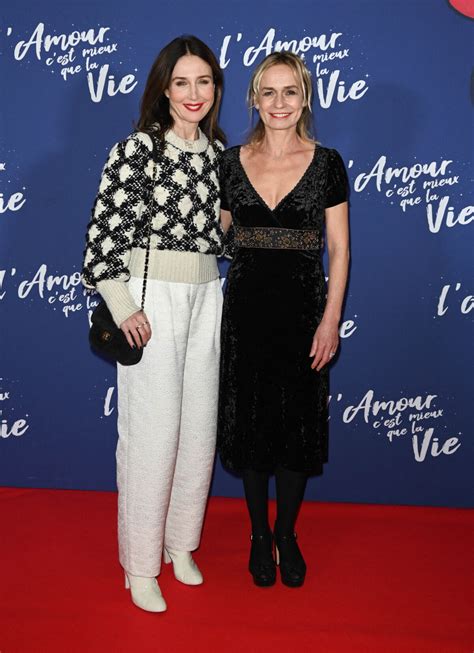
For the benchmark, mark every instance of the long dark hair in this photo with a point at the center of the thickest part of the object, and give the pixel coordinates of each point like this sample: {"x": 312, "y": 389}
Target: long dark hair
{"x": 154, "y": 106}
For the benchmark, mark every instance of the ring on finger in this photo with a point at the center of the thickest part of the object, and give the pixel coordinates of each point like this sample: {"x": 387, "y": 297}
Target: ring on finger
{"x": 331, "y": 354}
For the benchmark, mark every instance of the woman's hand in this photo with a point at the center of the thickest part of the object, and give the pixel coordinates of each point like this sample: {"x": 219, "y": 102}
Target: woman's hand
{"x": 325, "y": 344}
{"x": 226, "y": 220}
{"x": 137, "y": 329}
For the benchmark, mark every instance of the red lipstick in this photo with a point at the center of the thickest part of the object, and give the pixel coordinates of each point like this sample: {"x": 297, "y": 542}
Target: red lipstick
{"x": 194, "y": 107}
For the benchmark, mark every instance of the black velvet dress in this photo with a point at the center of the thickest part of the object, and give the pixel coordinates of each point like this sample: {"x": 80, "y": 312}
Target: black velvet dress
{"x": 272, "y": 405}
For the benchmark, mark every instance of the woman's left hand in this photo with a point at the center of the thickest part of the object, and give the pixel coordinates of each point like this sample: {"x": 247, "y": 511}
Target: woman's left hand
{"x": 325, "y": 344}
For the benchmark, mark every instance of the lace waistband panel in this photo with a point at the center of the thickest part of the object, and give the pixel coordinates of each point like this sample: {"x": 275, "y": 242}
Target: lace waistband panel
{"x": 277, "y": 238}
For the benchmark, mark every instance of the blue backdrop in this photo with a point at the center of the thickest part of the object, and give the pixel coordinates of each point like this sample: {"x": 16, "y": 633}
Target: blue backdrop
{"x": 391, "y": 94}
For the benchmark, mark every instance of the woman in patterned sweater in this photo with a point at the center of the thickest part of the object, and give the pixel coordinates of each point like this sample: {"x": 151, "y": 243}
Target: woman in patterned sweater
{"x": 167, "y": 402}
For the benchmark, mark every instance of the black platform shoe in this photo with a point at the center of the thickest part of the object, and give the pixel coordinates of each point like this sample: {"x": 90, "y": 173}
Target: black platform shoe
{"x": 261, "y": 562}
{"x": 290, "y": 560}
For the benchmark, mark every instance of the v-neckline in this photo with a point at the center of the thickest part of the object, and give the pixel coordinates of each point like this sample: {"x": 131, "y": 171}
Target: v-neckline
{"x": 257, "y": 194}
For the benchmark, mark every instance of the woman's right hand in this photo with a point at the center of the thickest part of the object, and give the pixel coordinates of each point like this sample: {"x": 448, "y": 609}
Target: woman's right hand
{"x": 137, "y": 329}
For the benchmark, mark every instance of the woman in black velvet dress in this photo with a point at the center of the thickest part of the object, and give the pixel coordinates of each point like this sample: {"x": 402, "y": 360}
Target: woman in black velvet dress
{"x": 283, "y": 193}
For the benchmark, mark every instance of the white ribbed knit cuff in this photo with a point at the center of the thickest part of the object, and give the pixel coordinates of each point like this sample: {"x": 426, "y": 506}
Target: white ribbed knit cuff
{"x": 118, "y": 299}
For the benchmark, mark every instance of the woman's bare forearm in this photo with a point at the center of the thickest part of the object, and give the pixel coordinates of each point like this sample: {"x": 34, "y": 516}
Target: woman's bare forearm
{"x": 338, "y": 271}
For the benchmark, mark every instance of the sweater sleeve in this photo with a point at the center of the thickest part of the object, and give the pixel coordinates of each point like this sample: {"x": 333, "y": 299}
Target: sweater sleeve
{"x": 118, "y": 299}
{"x": 116, "y": 211}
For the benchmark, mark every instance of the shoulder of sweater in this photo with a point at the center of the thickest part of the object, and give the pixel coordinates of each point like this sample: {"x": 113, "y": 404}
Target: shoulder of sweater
{"x": 218, "y": 145}
{"x": 135, "y": 144}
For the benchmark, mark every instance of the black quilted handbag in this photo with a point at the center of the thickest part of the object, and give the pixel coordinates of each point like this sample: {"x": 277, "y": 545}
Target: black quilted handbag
{"x": 108, "y": 340}
{"x": 105, "y": 337}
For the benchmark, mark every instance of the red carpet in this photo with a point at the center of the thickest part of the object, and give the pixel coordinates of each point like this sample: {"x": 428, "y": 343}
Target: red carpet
{"x": 380, "y": 580}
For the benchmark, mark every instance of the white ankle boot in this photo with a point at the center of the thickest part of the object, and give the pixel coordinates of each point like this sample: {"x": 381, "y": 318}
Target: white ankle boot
{"x": 184, "y": 567}
{"x": 146, "y": 593}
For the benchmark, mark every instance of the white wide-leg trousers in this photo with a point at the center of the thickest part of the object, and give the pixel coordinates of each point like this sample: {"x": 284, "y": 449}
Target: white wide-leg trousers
{"x": 167, "y": 412}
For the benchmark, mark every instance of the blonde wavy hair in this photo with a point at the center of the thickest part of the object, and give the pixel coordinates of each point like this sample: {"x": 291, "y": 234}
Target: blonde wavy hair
{"x": 302, "y": 74}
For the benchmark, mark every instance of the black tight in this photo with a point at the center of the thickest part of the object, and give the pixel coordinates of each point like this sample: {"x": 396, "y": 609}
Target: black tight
{"x": 290, "y": 487}
{"x": 256, "y": 495}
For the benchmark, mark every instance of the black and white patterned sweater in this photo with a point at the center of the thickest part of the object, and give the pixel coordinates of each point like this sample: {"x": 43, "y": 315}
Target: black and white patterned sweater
{"x": 185, "y": 204}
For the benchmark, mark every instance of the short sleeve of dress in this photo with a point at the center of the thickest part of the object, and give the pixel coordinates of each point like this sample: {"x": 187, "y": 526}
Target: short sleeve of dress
{"x": 224, "y": 183}
{"x": 337, "y": 186}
